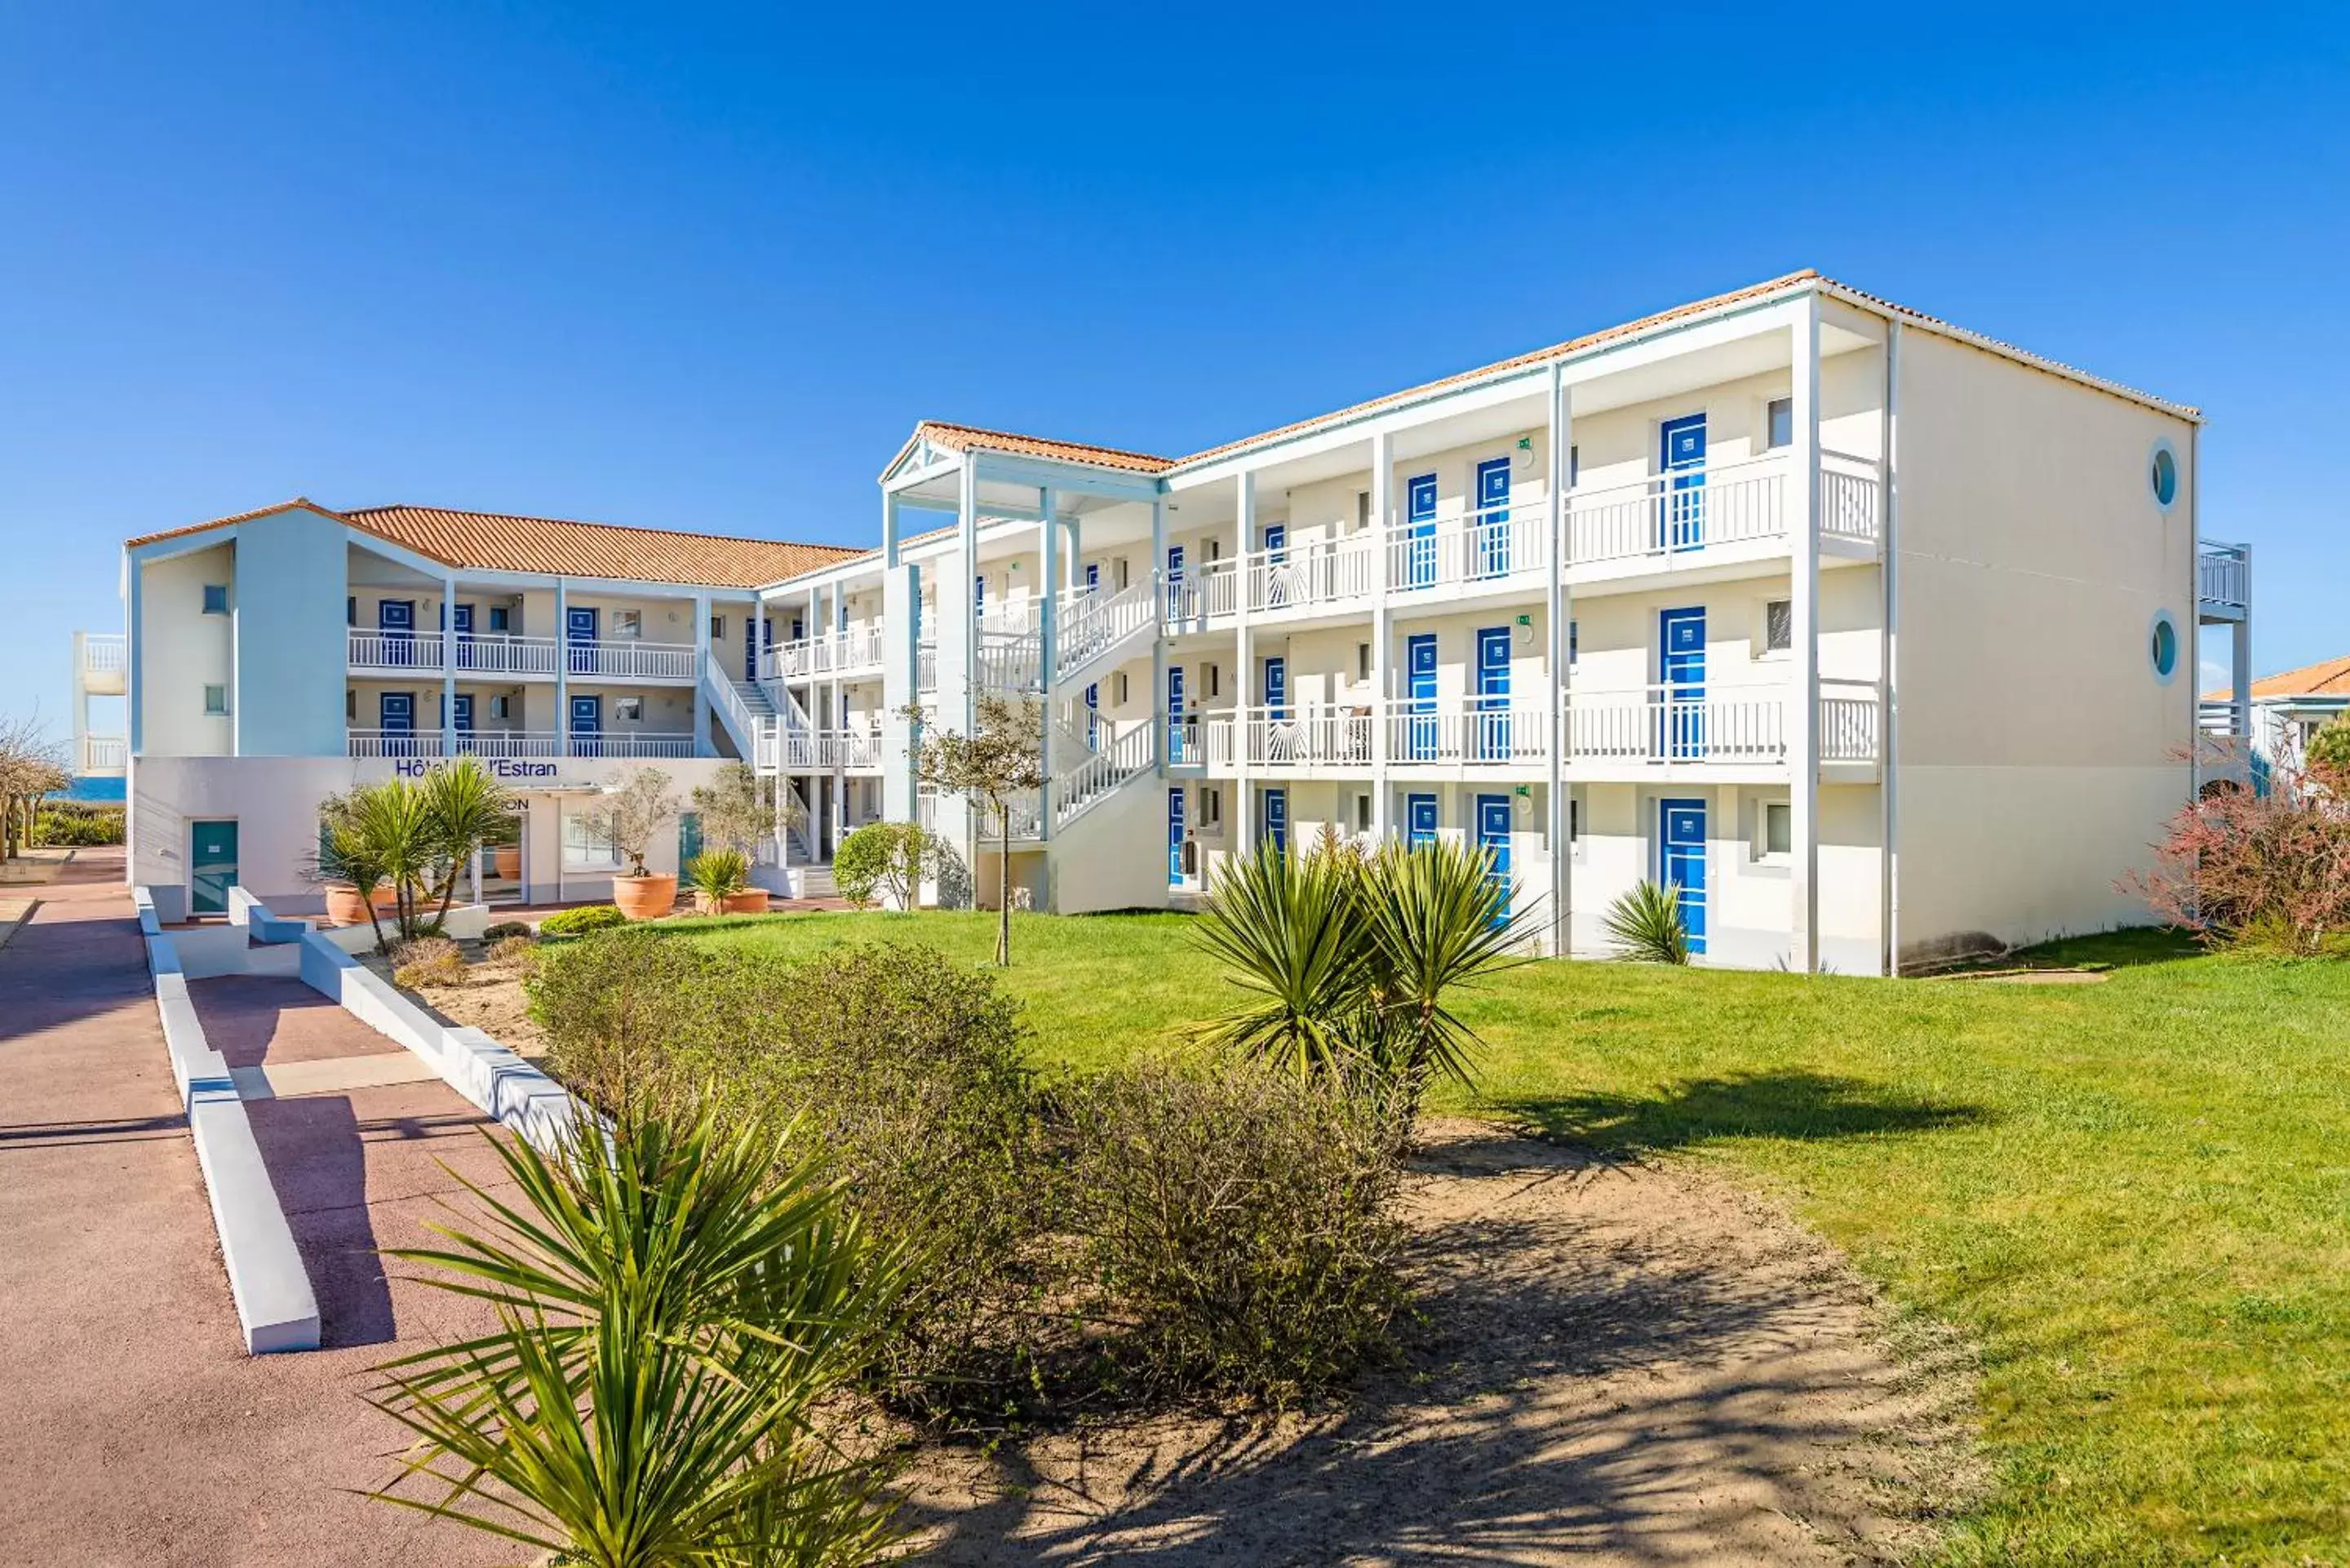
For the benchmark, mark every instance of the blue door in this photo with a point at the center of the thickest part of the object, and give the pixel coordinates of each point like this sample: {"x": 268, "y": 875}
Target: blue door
{"x": 1680, "y": 663}
{"x": 750, "y": 648}
{"x": 1277, "y": 688}
{"x": 1418, "y": 820}
{"x": 1179, "y": 729}
{"x": 461, "y": 714}
{"x": 1093, "y": 576}
{"x": 1680, "y": 854}
{"x": 1419, "y": 673}
{"x": 1420, "y": 531}
{"x": 587, "y": 726}
{"x": 1681, "y": 457}
{"x": 1276, "y": 819}
{"x": 461, "y": 622}
{"x": 579, "y": 632}
{"x": 1489, "y": 541}
{"x": 212, "y": 867}
{"x": 1174, "y": 565}
{"x": 1493, "y": 694}
{"x": 1175, "y": 834}
{"x": 979, "y": 592}
{"x": 395, "y": 713}
{"x": 395, "y": 619}
{"x": 1276, "y": 541}
{"x": 1093, "y": 715}
{"x": 1493, "y": 838}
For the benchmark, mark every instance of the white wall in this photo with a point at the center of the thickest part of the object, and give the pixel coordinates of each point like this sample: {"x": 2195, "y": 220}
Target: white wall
{"x": 182, "y": 650}
{"x": 290, "y": 647}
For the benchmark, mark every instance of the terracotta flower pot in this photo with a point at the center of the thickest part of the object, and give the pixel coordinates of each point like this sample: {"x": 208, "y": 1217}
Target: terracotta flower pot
{"x": 749, "y": 901}
{"x": 647, "y": 898}
{"x": 346, "y": 907}
{"x": 507, "y": 862}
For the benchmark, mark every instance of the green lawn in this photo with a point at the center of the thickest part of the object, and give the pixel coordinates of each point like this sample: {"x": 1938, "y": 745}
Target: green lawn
{"x": 2134, "y": 1196}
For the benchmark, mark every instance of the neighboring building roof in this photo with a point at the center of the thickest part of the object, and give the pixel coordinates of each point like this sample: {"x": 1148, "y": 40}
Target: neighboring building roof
{"x": 2326, "y": 678}
{"x": 497, "y": 542}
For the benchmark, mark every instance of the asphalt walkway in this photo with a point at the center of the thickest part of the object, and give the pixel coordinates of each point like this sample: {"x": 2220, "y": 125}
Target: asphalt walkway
{"x": 134, "y": 1430}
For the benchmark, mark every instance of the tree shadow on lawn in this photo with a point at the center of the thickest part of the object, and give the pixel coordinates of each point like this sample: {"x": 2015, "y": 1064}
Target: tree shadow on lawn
{"x": 1785, "y": 1104}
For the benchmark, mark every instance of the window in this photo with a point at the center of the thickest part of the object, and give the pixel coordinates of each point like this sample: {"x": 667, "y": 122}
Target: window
{"x": 1779, "y": 424}
{"x": 1215, "y": 682}
{"x": 1362, "y": 662}
{"x": 1574, "y": 466}
{"x": 2162, "y": 473}
{"x": 1362, "y": 813}
{"x": 350, "y": 706}
{"x": 2163, "y": 646}
{"x": 1574, "y": 819}
{"x": 628, "y": 710}
{"x": 717, "y": 627}
{"x": 216, "y": 598}
{"x": 1117, "y": 572}
{"x": 1362, "y": 509}
{"x": 501, "y": 619}
{"x": 585, "y": 849}
{"x": 1778, "y": 625}
{"x": 1215, "y": 548}
{"x": 215, "y": 700}
{"x": 1212, "y": 807}
{"x": 1574, "y": 642}
{"x": 1777, "y": 836}
{"x": 628, "y": 624}
{"x": 502, "y": 707}
{"x": 1119, "y": 681}
{"x": 351, "y": 611}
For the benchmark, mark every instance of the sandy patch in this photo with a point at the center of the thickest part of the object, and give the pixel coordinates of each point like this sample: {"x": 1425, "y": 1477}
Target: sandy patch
{"x": 1623, "y": 1364}
{"x": 489, "y": 998}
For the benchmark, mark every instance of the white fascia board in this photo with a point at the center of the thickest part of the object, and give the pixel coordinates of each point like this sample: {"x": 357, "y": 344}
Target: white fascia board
{"x": 840, "y": 574}
{"x": 1940, "y": 328}
{"x": 1064, "y": 474}
{"x": 156, "y": 550}
{"x": 914, "y": 478}
{"x": 1665, "y": 341}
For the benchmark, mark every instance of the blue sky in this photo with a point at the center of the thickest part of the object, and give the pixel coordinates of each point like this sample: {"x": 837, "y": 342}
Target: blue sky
{"x": 701, "y": 267}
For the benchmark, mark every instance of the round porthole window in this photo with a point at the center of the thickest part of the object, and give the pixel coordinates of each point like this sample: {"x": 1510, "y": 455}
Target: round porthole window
{"x": 2162, "y": 646}
{"x": 2162, "y": 473}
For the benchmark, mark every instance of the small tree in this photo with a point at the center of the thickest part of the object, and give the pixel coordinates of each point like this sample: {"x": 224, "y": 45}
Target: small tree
{"x": 32, "y": 765}
{"x": 2256, "y": 868}
{"x": 635, "y": 807}
{"x": 889, "y": 859}
{"x": 2329, "y": 755}
{"x": 418, "y": 835}
{"x": 738, "y": 812}
{"x": 1002, "y": 759}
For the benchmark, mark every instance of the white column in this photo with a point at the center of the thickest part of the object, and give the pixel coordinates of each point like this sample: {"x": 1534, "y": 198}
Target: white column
{"x": 1382, "y": 632}
{"x": 1048, "y": 629}
{"x": 1804, "y": 694}
{"x": 966, "y": 597}
{"x": 1889, "y": 774}
{"x": 1558, "y": 610}
{"x": 562, "y": 669}
{"x": 449, "y": 666}
{"x": 1243, "y": 826}
{"x": 1158, "y": 643}
{"x": 702, "y": 670}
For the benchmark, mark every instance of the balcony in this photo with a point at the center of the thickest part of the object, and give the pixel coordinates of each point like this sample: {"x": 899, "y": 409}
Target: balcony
{"x": 1723, "y": 514}
{"x": 2224, "y": 581}
{"x": 1644, "y": 733}
{"x": 102, "y": 755}
{"x": 853, "y": 650}
{"x": 104, "y": 666}
{"x": 497, "y": 653}
{"x": 818, "y": 750}
{"x": 517, "y": 744}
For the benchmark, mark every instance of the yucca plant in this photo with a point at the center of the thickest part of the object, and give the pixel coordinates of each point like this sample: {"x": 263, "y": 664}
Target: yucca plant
{"x": 674, "y": 1299}
{"x": 715, "y": 873}
{"x": 1646, "y": 925}
{"x": 1350, "y": 958}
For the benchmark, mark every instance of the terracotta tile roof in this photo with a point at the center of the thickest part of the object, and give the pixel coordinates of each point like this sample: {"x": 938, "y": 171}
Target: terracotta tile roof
{"x": 2326, "y": 678}
{"x": 491, "y": 541}
{"x": 967, "y": 438}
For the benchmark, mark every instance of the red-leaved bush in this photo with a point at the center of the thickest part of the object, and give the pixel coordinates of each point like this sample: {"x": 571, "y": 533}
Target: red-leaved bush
{"x": 2263, "y": 869}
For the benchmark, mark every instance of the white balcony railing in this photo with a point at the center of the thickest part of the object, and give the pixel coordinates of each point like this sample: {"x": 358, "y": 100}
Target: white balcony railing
{"x": 105, "y": 657}
{"x": 1851, "y": 492}
{"x": 854, "y": 648}
{"x": 1724, "y": 726}
{"x": 2223, "y": 578}
{"x": 510, "y": 743}
{"x": 624, "y": 659}
{"x": 104, "y": 755}
{"x": 1092, "y": 621}
{"x": 476, "y": 653}
{"x": 520, "y": 743}
{"x": 628, "y": 743}
{"x": 499, "y": 653}
{"x": 1679, "y": 513}
{"x": 1320, "y": 572}
{"x": 395, "y": 743}
{"x": 1849, "y": 711}
{"x": 1209, "y": 591}
{"x": 822, "y": 751}
{"x": 926, "y": 667}
{"x": 1424, "y": 733}
{"x": 395, "y": 650}
{"x": 1484, "y": 546}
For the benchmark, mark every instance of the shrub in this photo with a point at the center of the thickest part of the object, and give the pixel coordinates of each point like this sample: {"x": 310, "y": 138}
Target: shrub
{"x": 715, "y": 873}
{"x": 427, "y": 962}
{"x": 506, "y": 928}
{"x": 2329, "y": 754}
{"x": 69, "y": 824}
{"x": 1646, "y": 925}
{"x": 513, "y": 950}
{"x": 2268, "y": 871}
{"x": 886, "y": 861}
{"x": 619, "y": 1012}
{"x": 1240, "y": 1223}
{"x": 578, "y": 922}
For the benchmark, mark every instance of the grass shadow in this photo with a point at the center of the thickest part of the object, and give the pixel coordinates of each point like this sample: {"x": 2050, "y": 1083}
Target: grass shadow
{"x": 2107, "y": 949}
{"x": 1772, "y": 1104}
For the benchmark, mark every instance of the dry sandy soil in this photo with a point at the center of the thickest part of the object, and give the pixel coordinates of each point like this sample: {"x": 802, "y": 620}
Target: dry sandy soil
{"x": 1623, "y": 1365}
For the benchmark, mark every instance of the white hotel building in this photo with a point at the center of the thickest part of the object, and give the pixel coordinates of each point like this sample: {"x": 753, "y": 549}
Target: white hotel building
{"x": 1873, "y": 636}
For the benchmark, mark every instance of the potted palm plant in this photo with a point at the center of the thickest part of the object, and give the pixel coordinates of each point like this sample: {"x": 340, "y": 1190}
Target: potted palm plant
{"x": 722, "y": 884}
{"x": 637, "y": 806}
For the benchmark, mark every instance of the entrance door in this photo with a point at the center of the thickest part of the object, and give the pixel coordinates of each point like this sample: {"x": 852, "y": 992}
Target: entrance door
{"x": 1420, "y": 531}
{"x": 395, "y": 714}
{"x": 461, "y": 623}
{"x": 1174, "y": 568}
{"x": 1277, "y": 688}
{"x": 1682, "y": 458}
{"x": 1178, "y": 729}
{"x": 1419, "y": 675}
{"x": 395, "y": 623}
{"x": 587, "y": 726}
{"x": 1489, "y": 539}
{"x": 1276, "y": 819}
{"x": 461, "y": 716}
{"x": 579, "y": 632}
{"x": 689, "y": 837}
{"x": 1093, "y": 717}
{"x": 1493, "y": 838}
{"x": 1093, "y": 577}
{"x": 212, "y": 866}
{"x": 1175, "y": 834}
{"x": 750, "y": 648}
{"x": 1276, "y": 556}
{"x": 1418, "y": 820}
{"x": 1493, "y": 694}
{"x": 1680, "y": 862}
{"x": 1681, "y": 665}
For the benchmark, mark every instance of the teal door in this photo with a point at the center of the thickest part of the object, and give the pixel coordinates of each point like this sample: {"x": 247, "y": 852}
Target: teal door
{"x": 689, "y": 837}
{"x": 212, "y": 866}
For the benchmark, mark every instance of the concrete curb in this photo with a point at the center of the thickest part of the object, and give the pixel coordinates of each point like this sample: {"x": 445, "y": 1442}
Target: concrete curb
{"x": 275, "y": 1306}
{"x": 469, "y": 1060}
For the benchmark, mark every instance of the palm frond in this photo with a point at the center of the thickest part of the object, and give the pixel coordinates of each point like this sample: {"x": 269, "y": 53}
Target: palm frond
{"x": 1646, "y": 925}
